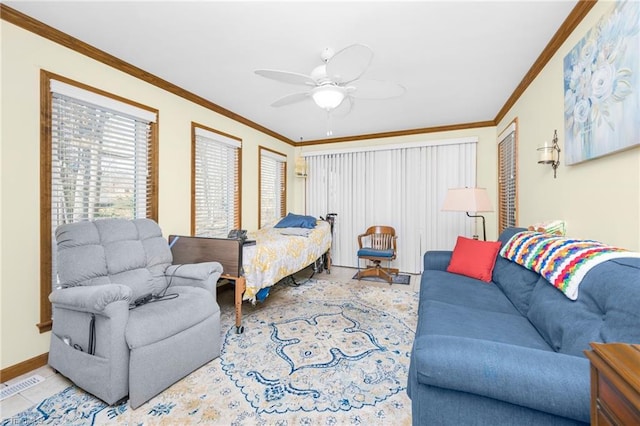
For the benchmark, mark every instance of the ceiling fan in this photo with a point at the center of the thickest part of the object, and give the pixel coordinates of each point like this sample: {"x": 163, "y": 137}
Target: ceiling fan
{"x": 337, "y": 81}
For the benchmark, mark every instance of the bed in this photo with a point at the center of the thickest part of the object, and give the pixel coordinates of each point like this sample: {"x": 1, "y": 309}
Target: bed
{"x": 263, "y": 263}
{"x": 277, "y": 253}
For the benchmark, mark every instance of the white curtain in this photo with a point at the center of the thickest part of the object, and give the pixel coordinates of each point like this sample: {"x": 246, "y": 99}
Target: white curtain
{"x": 399, "y": 187}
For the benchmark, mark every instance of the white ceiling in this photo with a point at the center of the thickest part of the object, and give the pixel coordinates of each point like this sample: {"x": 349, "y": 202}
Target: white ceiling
{"x": 459, "y": 60}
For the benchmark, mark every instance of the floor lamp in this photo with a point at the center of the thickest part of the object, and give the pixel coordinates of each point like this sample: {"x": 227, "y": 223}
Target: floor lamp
{"x": 469, "y": 200}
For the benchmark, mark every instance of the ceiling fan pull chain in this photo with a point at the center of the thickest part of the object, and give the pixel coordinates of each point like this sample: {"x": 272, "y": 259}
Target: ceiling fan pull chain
{"x": 329, "y": 131}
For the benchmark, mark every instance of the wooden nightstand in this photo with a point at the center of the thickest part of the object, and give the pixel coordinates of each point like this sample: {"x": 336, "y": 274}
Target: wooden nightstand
{"x": 615, "y": 384}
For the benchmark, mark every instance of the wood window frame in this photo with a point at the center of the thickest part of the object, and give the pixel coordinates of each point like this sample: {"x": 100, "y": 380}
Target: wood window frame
{"x": 238, "y": 193}
{"x": 46, "y": 261}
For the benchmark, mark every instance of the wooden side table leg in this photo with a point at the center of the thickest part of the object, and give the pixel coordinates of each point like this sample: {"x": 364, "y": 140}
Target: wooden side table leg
{"x": 594, "y": 393}
{"x": 240, "y": 288}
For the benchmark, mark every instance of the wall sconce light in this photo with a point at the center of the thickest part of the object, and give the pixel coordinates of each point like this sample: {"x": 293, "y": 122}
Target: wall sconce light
{"x": 301, "y": 167}
{"x": 550, "y": 154}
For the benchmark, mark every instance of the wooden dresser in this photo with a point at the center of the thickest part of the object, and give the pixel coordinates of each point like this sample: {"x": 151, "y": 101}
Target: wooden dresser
{"x": 615, "y": 384}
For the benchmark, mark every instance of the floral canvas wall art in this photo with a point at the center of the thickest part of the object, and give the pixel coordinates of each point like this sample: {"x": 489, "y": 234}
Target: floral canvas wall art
{"x": 602, "y": 86}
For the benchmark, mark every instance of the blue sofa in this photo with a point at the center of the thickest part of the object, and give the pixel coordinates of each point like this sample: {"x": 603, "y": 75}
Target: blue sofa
{"x": 511, "y": 351}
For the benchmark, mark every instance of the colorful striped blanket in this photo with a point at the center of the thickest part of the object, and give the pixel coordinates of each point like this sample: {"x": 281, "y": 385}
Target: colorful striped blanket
{"x": 563, "y": 262}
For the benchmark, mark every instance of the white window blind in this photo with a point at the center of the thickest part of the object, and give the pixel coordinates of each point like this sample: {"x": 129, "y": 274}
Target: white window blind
{"x": 100, "y": 163}
{"x": 217, "y": 184}
{"x": 272, "y": 186}
{"x": 507, "y": 180}
{"x": 399, "y": 187}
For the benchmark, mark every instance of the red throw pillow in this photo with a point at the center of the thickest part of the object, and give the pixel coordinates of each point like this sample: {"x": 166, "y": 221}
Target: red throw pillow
{"x": 474, "y": 258}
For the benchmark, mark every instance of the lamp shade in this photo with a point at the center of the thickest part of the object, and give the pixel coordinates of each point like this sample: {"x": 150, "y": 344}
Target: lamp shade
{"x": 467, "y": 200}
{"x": 328, "y": 96}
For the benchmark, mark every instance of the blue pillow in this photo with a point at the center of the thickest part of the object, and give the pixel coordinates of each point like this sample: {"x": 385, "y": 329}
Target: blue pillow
{"x": 296, "y": 221}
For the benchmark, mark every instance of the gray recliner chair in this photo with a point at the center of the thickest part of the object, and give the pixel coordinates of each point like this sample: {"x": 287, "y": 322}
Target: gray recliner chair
{"x": 112, "y": 339}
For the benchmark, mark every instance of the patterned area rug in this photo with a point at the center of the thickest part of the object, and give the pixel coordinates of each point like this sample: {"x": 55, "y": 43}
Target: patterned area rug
{"x": 323, "y": 353}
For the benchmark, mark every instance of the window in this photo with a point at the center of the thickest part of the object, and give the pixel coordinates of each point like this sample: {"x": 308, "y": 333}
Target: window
{"x": 215, "y": 208}
{"x": 98, "y": 161}
{"x": 273, "y": 184}
{"x": 508, "y": 177}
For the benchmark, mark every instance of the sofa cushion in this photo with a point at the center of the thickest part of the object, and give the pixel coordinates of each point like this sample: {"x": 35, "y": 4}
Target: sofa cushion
{"x": 538, "y": 379}
{"x": 606, "y": 309}
{"x": 153, "y": 322}
{"x": 439, "y": 318}
{"x": 516, "y": 282}
{"x": 474, "y": 258}
{"x": 464, "y": 291}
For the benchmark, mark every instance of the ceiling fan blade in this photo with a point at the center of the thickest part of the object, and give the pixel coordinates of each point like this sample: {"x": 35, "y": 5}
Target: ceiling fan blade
{"x": 291, "y": 99}
{"x": 287, "y": 77}
{"x": 349, "y": 63}
{"x": 376, "y": 89}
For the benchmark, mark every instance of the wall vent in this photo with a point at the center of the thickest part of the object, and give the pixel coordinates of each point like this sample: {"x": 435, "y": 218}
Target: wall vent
{"x": 15, "y": 388}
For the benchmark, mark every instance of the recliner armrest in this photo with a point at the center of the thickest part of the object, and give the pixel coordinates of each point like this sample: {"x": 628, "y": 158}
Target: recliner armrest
{"x": 90, "y": 298}
{"x": 204, "y": 275}
{"x": 542, "y": 380}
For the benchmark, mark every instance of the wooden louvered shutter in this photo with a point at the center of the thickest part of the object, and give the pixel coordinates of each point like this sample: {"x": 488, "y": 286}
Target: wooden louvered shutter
{"x": 507, "y": 180}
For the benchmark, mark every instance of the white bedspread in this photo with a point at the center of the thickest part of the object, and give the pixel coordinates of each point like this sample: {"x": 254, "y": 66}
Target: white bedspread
{"x": 275, "y": 256}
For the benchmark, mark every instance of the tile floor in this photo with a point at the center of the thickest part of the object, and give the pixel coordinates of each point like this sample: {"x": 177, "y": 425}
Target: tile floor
{"x": 52, "y": 384}
{"x": 55, "y": 383}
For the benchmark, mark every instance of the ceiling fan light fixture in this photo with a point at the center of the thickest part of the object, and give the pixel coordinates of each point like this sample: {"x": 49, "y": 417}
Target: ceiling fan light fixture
{"x": 328, "y": 97}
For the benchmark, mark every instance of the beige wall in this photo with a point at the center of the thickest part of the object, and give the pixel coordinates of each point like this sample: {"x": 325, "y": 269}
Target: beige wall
{"x": 599, "y": 199}
{"x": 23, "y": 55}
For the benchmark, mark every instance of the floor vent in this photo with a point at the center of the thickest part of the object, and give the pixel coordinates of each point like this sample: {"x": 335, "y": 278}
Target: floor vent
{"x": 15, "y": 388}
